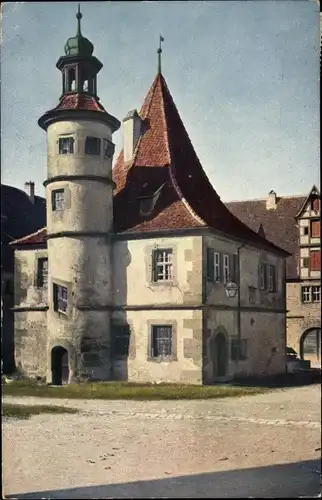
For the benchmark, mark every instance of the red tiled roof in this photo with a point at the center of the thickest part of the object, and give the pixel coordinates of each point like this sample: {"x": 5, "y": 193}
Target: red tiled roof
{"x": 280, "y": 225}
{"x": 32, "y": 239}
{"x": 80, "y": 102}
{"x": 165, "y": 155}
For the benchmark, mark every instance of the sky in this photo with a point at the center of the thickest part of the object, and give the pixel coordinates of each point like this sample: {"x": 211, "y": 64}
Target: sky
{"x": 244, "y": 76}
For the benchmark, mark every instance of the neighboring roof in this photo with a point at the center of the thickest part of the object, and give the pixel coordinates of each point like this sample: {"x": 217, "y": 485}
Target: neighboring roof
{"x": 19, "y": 216}
{"x": 164, "y": 155}
{"x": 279, "y": 225}
{"x": 314, "y": 192}
{"x": 35, "y": 238}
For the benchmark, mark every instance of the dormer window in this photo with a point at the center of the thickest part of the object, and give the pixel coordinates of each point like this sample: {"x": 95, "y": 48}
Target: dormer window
{"x": 93, "y": 146}
{"x": 147, "y": 203}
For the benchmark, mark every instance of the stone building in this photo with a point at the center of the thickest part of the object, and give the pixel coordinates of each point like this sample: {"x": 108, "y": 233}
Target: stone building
{"x": 128, "y": 279}
{"x": 22, "y": 212}
{"x": 293, "y": 223}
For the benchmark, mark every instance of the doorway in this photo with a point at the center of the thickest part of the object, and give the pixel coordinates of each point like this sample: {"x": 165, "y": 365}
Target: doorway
{"x": 59, "y": 365}
{"x": 310, "y": 345}
{"x": 219, "y": 355}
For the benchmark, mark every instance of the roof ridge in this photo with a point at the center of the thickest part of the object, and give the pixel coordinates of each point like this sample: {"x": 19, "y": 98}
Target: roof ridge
{"x": 265, "y": 199}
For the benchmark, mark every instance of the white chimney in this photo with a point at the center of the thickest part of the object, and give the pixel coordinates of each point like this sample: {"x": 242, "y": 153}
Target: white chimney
{"x": 30, "y": 190}
{"x": 131, "y": 133}
{"x": 271, "y": 201}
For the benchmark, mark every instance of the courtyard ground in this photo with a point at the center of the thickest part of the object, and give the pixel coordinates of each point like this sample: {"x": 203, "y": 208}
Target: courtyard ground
{"x": 265, "y": 445}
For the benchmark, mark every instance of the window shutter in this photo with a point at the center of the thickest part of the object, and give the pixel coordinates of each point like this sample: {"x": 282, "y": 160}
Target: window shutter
{"x": 234, "y": 268}
{"x": 315, "y": 260}
{"x": 210, "y": 264}
{"x": 154, "y": 266}
{"x": 265, "y": 270}
{"x": 274, "y": 277}
{"x": 316, "y": 204}
{"x": 315, "y": 229}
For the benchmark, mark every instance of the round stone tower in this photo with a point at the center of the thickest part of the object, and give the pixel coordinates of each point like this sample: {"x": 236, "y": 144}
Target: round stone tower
{"x": 79, "y": 193}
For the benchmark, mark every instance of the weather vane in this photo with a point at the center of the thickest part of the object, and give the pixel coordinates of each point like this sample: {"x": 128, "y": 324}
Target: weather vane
{"x": 159, "y": 51}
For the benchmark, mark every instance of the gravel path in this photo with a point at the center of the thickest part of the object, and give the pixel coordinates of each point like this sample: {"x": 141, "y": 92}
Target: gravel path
{"x": 114, "y": 442}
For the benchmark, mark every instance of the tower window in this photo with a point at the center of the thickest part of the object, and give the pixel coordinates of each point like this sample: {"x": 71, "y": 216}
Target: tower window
{"x": 66, "y": 145}
{"x": 42, "y": 272}
{"x": 60, "y": 298}
{"x": 58, "y": 199}
{"x": 71, "y": 80}
{"x": 93, "y": 146}
{"x": 108, "y": 149}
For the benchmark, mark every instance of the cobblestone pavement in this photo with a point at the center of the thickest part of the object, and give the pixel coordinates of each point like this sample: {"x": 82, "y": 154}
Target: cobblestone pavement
{"x": 118, "y": 442}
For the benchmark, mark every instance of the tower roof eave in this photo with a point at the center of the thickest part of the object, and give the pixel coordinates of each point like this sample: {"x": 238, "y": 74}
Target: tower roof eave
{"x": 66, "y": 114}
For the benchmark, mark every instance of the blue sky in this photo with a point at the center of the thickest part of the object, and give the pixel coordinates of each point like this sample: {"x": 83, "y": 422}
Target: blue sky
{"x": 244, "y": 76}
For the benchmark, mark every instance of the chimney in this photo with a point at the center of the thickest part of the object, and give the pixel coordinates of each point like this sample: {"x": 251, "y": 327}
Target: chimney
{"x": 131, "y": 133}
{"x": 271, "y": 200}
{"x": 30, "y": 190}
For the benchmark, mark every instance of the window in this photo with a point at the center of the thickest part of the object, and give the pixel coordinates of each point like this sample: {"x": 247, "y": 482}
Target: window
{"x": 315, "y": 229}
{"x": 252, "y": 294}
{"x": 108, "y": 149}
{"x": 121, "y": 340}
{"x": 217, "y": 267}
{"x": 306, "y": 294}
{"x": 60, "y": 298}
{"x": 93, "y": 146}
{"x": 58, "y": 199}
{"x": 242, "y": 350}
{"x": 315, "y": 260}
{"x": 42, "y": 272}
{"x": 226, "y": 268}
{"x": 161, "y": 344}
{"x": 306, "y": 230}
{"x": 66, "y": 145}
{"x": 147, "y": 203}
{"x": 305, "y": 262}
{"x": 316, "y": 293}
{"x": 162, "y": 265}
{"x": 271, "y": 278}
{"x": 263, "y": 276}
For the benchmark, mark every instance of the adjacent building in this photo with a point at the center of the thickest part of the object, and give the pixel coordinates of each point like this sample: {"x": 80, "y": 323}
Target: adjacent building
{"x": 294, "y": 223}
{"x": 128, "y": 279}
{"x": 22, "y": 212}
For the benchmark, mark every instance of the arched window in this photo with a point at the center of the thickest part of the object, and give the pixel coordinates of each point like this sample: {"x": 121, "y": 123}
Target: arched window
{"x": 70, "y": 80}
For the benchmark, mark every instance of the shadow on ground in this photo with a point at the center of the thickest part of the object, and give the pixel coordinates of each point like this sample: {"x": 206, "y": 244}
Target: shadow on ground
{"x": 283, "y": 380}
{"x": 277, "y": 481}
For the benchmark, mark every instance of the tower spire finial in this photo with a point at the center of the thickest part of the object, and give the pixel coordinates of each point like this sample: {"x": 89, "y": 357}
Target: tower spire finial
{"x": 159, "y": 51}
{"x": 79, "y": 16}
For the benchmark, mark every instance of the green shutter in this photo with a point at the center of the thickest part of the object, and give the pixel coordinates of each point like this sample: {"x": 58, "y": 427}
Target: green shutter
{"x": 210, "y": 265}
{"x": 154, "y": 266}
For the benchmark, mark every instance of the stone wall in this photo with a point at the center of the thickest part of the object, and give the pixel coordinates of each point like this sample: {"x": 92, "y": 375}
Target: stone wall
{"x": 185, "y": 365}
{"x": 301, "y": 316}
{"x": 30, "y": 325}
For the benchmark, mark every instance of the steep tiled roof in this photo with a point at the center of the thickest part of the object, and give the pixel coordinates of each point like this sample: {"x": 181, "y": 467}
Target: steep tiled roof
{"x": 20, "y": 217}
{"x": 280, "y": 225}
{"x": 165, "y": 155}
{"x": 80, "y": 102}
{"x": 32, "y": 239}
